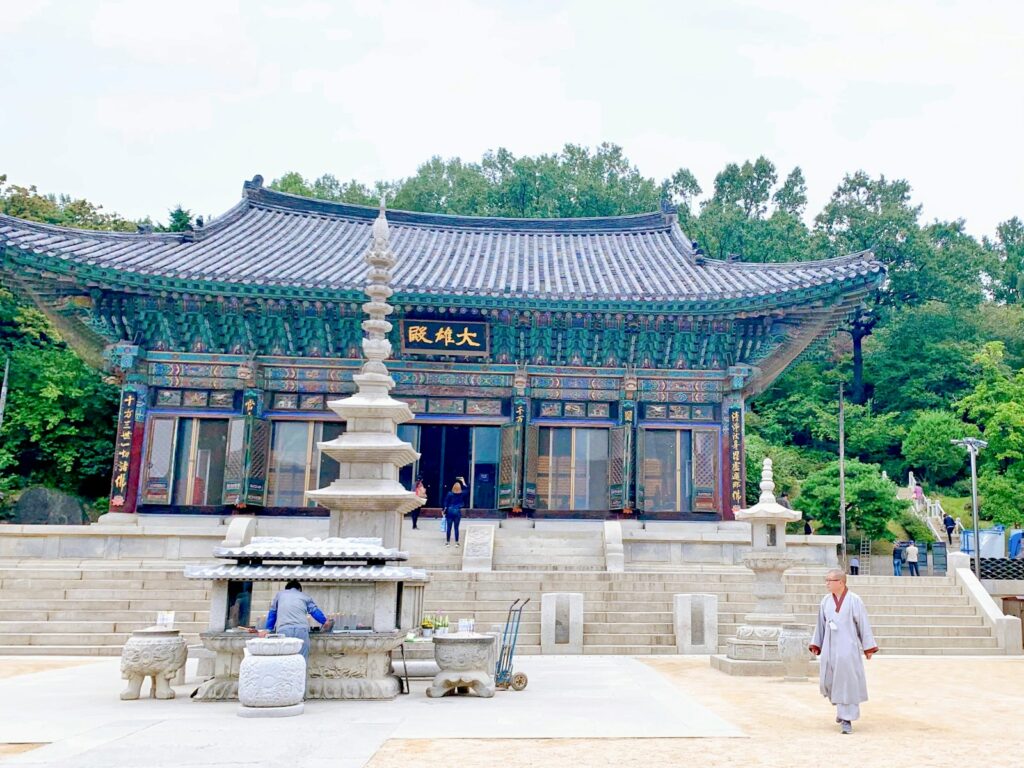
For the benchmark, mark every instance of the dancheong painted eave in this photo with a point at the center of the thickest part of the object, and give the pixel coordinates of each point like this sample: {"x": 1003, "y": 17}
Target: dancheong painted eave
{"x": 280, "y": 241}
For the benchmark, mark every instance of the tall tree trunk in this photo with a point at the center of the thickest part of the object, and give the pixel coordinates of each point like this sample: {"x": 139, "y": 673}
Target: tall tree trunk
{"x": 857, "y": 390}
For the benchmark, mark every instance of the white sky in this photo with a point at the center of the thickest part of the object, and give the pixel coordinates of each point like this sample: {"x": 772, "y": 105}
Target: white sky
{"x": 142, "y": 105}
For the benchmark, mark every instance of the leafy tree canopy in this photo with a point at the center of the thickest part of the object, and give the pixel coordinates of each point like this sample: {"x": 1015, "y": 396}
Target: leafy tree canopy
{"x": 870, "y": 499}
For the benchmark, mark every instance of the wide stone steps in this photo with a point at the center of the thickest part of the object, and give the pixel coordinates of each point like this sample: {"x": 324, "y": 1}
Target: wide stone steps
{"x": 49, "y": 607}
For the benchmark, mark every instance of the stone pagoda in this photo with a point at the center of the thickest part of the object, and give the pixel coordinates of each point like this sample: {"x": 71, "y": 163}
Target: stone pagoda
{"x": 367, "y": 500}
{"x": 755, "y": 648}
{"x": 356, "y": 574}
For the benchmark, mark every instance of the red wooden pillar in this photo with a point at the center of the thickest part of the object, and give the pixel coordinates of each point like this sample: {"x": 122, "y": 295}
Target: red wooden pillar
{"x": 128, "y": 448}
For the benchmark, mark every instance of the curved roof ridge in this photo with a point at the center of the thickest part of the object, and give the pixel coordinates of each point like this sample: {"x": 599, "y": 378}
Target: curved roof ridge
{"x": 866, "y": 256}
{"x": 210, "y": 227}
{"x": 284, "y": 201}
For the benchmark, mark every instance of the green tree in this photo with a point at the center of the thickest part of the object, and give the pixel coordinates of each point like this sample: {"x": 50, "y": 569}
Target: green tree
{"x": 922, "y": 358}
{"x": 738, "y": 219}
{"x": 63, "y": 210}
{"x": 179, "y": 220}
{"x": 928, "y": 449}
{"x": 59, "y": 421}
{"x": 1007, "y": 250}
{"x": 938, "y": 262}
{"x": 870, "y": 499}
{"x": 1002, "y": 496}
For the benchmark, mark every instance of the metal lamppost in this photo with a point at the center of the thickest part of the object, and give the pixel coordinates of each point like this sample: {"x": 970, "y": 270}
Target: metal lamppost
{"x": 842, "y": 477}
{"x": 973, "y": 445}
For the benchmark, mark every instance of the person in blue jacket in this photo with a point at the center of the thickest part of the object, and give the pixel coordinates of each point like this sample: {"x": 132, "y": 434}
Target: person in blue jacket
{"x": 454, "y": 502}
{"x": 288, "y": 613}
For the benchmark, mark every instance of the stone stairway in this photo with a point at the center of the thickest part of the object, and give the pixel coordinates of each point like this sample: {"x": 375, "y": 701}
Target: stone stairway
{"x": 569, "y": 548}
{"x": 90, "y": 607}
{"x": 631, "y": 613}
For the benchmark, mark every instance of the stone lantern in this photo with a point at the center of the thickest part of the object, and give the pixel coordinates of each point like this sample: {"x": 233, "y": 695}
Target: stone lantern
{"x": 755, "y": 648}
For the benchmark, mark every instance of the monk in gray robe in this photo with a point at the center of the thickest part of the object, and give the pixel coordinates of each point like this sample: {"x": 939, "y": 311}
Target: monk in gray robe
{"x": 841, "y": 634}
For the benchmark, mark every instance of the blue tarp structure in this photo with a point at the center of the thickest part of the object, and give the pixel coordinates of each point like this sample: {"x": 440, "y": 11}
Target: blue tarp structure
{"x": 992, "y": 541}
{"x": 1015, "y": 543}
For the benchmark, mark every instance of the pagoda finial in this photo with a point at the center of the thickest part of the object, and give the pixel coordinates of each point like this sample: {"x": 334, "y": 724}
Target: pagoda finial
{"x": 376, "y": 347}
{"x": 767, "y": 483}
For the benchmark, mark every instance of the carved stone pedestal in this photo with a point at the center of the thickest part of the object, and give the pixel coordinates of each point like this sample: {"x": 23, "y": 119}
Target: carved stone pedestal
{"x": 229, "y": 650}
{"x": 272, "y": 678}
{"x": 464, "y": 659}
{"x": 156, "y": 653}
{"x": 353, "y": 665}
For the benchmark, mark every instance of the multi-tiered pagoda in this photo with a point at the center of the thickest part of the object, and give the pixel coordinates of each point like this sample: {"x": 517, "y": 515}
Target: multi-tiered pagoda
{"x": 565, "y": 368}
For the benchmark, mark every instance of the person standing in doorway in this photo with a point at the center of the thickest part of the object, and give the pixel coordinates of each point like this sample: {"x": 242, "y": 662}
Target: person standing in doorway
{"x": 454, "y": 503}
{"x": 912, "y": 553}
{"x": 841, "y": 634}
{"x": 421, "y": 493}
{"x": 897, "y": 560}
{"x": 288, "y": 613}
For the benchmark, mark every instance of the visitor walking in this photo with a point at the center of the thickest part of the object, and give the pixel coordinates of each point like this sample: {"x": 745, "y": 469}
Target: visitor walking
{"x": 841, "y": 634}
{"x": 912, "y": 553}
{"x": 950, "y": 525}
{"x": 854, "y": 566}
{"x": 421, "y": 492}
{"x": 897, "y": 560}
{"x": 453, "y": 505}
{"x": 288, "y": 612}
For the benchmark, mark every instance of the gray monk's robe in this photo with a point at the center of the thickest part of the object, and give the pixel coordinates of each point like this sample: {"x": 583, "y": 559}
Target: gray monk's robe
{"x": 843, "y": 634}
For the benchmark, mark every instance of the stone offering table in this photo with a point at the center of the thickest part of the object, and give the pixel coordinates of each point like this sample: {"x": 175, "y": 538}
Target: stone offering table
{"x": 229, "y": 648}
{"x": 272, "y": 678}
{"x": 465, "y": 659}
{"x": 353, "y": 665}
{"x": 157, "y": 653}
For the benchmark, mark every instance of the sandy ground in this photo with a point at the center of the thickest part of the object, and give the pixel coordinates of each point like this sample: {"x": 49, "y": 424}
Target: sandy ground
{"x": 14, "y": 667}
{"x": 932, "y": 711}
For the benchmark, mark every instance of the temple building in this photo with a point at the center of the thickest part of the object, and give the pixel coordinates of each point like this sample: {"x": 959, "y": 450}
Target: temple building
{"x": 567, "y": 368}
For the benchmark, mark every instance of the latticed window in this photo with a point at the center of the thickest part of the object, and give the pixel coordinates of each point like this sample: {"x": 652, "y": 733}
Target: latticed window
{"x": 572, "y": 468}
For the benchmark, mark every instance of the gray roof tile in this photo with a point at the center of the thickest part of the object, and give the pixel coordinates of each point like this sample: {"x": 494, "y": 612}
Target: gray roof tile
{"x": 271, "y": 238}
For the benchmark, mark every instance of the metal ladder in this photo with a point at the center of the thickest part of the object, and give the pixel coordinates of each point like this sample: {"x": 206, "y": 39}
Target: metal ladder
{"x": 865, "y": 557}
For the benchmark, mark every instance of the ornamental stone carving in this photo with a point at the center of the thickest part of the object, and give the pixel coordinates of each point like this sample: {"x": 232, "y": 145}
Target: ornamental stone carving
{"x": 272, "y": 678}
{"x": 156, "y": 653}
{"x": 794, "y": 640}
{"x": 465, "y": 662}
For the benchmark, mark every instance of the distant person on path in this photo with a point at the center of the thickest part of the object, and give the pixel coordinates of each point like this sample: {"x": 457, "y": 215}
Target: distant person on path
{"x": 807, "y": 528}
{"x": 950, "y": 525}
{"x": 454, "y": 503}
{"x": 784, "y": 501}
{"x": 288, "y": 613}
{"x": 854, "y": 566}
{"x": 421, "y": 493}
{"x": 912, "y": 559}
{"x": 897, "y": 560}
{"x": 841, "y": 634}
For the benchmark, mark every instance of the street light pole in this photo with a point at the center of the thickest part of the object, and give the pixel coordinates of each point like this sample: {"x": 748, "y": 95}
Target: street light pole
{"x": 842, "y": 476}
{"x": 973, "y": 445}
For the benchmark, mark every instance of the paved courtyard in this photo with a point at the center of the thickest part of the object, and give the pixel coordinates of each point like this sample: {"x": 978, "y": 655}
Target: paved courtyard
{"x": 589, "y": 711}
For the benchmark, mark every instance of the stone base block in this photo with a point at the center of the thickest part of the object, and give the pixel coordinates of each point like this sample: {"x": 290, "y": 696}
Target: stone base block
{"x": 448, "y": 682}
{"x": 748, "y": 668}
{"x": 353, "y": 688}
{"x": 561, "y": 622}
{"x": 695, "y": 618}
{"x": 752, "y": 650}
{"x": 294, "y": 709}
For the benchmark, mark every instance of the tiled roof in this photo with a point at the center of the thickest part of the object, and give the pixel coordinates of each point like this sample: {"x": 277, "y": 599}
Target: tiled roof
{"x": 278, "y": 548}
{"x": 310, "y": 573}
{"x": 275, "y": 239}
